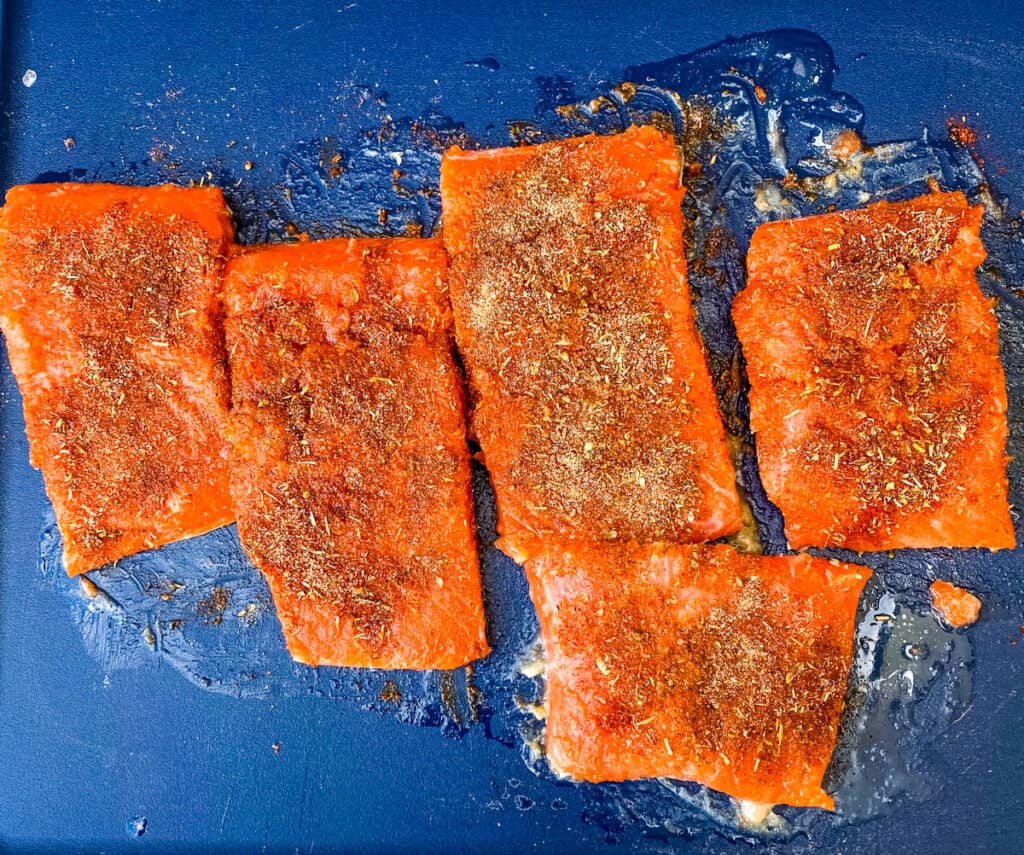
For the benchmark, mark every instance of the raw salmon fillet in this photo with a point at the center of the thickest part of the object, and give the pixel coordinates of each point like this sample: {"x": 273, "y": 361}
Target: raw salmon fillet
{"x": 876, "y": 393}
{"x": 108, "y": 303}
{"x": 351, "y": 474}
{"x": 694, "y": 662}
{"x": 956, "y": 606}
{"x": 592, "y": 402}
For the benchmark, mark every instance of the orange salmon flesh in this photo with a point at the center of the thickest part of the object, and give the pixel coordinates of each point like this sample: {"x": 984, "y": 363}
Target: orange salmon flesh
{"x": 956, "y": 606}
{"x": 351, "y": 473}
{"x": 693, "y": 662}
{"x": 108, "y": 304}
{"x": 877, "y": 396}
{"x": 592, "y": 402}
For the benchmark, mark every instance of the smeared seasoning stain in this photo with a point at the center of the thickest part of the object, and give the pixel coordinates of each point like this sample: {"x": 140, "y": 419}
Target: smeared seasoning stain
{"x": 390, "y": 692}
{"x": 524, "y": 132}
{"x": 473, "y": 693}
{"x": 438, "y": 139}
{"x": 704, "y": 129}
{"x": 626, "y": 90}
{"x": 448, "y": 696}
{"x": 212, "y": 607}
{"x": 571, "y": 112}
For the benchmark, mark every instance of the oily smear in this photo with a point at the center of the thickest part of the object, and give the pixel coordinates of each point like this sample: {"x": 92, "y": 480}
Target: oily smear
{"x": 764, "y": 136}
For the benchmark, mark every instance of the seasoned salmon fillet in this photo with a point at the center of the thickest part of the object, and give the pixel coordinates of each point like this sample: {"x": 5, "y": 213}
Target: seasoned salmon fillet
{"x": 351, "y": 474}
{"x": 876, "y": 393}
{"x": 108, "y": 304}
{"x": 695, "y": 662}
{"x": 592, "y": 402}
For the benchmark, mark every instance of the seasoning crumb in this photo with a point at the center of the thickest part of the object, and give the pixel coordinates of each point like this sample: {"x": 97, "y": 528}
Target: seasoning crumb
{"x": 247, "y": 165}
{"x": 390, "y": 692}
{"x": 846, "y": 144}
{"x": 960, "y": 132}
{"x": 249, "y": 613}
{"x": 69, "y": 143}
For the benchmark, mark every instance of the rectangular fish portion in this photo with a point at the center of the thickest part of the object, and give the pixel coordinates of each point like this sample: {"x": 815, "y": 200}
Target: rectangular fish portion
{"x": 592, "y": 401}
{"x": 695, "y": 662}
{"x": 108, "y": 304}
{"x": 876, "y": 392}
{"x": 351, "y": 473}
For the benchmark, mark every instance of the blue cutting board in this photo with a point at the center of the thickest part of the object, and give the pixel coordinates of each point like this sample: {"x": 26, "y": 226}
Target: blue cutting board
{"x": 137, "y": 758}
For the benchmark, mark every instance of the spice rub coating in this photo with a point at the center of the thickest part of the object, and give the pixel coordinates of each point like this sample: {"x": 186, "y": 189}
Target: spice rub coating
{"x": 693, "y": 662}
{"x": 591, "y": 400}
{"x": 108, "y": 304}
{"x": 877, "y": 396}
{"x": 351, "y": 473}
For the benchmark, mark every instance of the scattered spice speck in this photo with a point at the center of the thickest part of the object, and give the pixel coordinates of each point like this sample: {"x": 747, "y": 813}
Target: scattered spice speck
{"x": 248, "y": 614}
{"x": 212, "y": 607}
{"x": 29, "y": 78}
{"x": 960, "y": 133}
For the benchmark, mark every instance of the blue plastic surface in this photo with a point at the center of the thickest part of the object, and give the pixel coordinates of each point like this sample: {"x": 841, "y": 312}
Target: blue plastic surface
{"x": 138, "y": 758}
